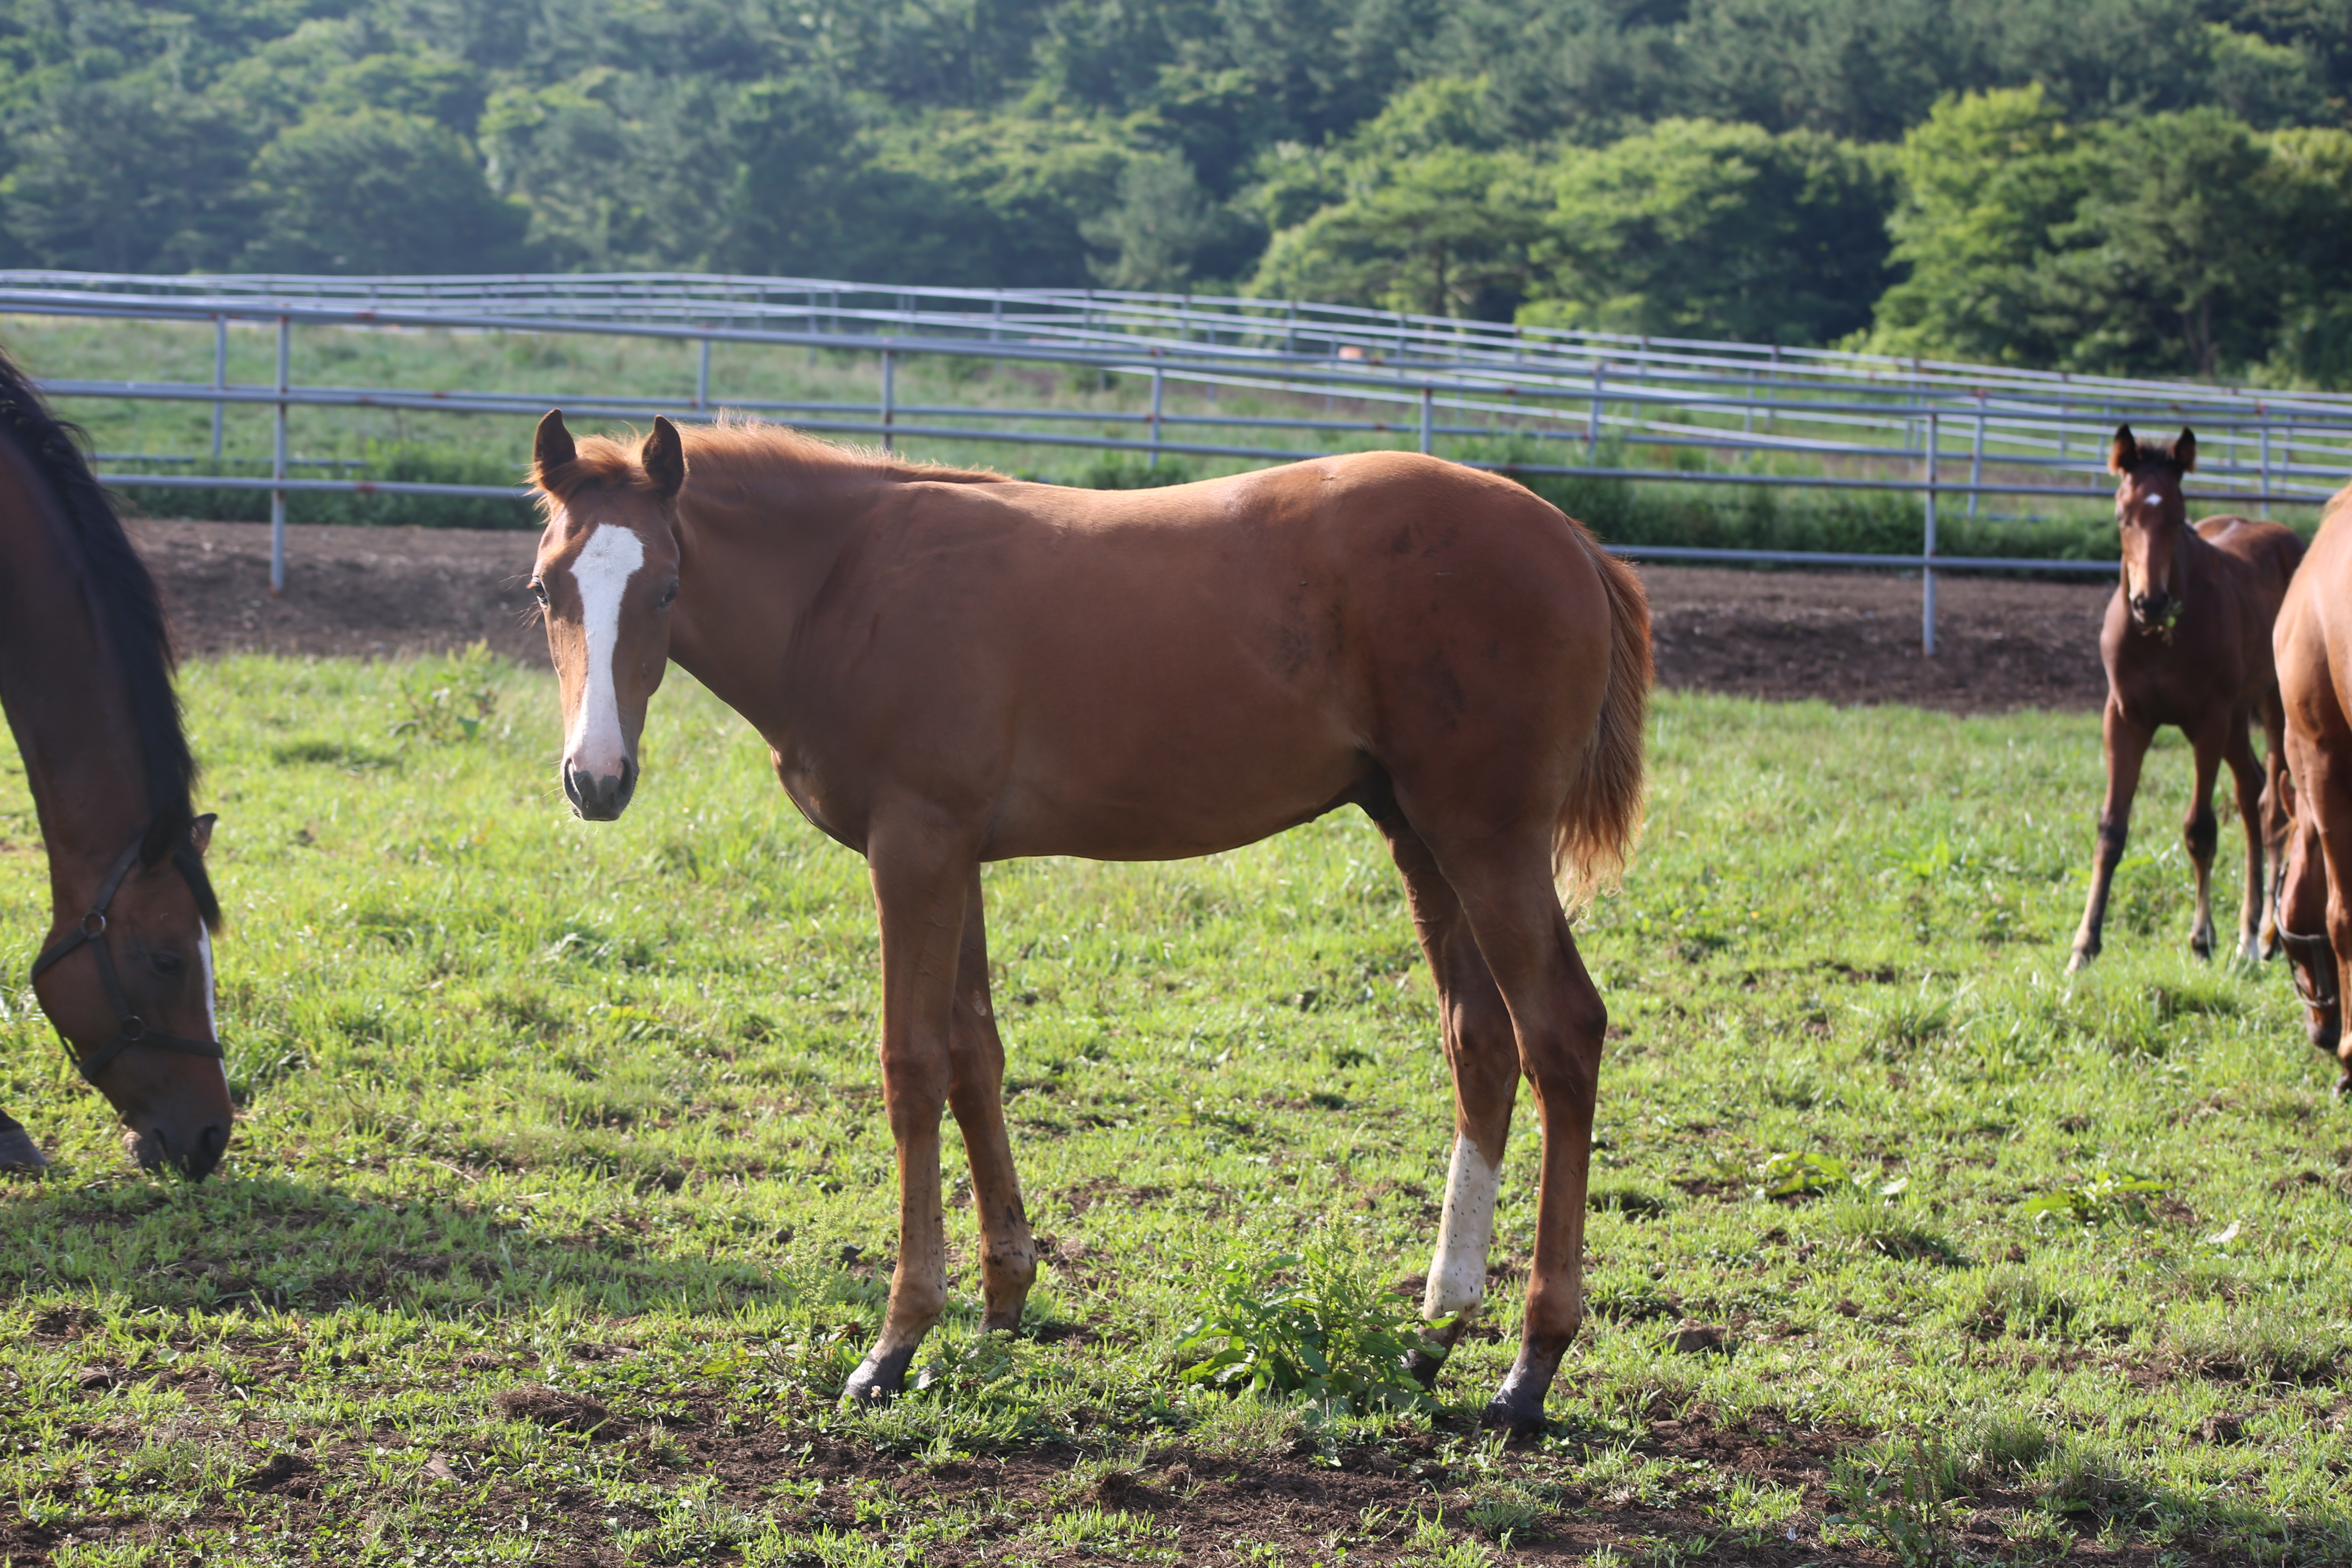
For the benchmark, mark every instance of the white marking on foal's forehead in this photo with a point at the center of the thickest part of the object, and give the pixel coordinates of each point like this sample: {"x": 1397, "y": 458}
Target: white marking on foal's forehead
{"x": 603, "y": 570}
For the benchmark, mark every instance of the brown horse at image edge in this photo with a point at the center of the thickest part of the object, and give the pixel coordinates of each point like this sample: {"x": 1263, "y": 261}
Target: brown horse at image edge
{"x": 2188, "y": 642}
{"x": 126, "y": 975}
{"x": 2313, "y": 907}
{"x": 951, "y": 668}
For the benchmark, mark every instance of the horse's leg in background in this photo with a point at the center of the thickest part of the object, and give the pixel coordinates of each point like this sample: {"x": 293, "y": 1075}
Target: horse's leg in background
{"x": 2201, "y": 830}
{"x": 1506, "y": 890}
{"x": 1008, "y": 1253}
{"x": 1484, "y": 1059}
{"x": 2246, "y": 772}
{"x": 2277, "y": 809}
{"x": 17, "y": 1151}
{"x": 921, "y": 880}
{"x": 2126, "y": 747}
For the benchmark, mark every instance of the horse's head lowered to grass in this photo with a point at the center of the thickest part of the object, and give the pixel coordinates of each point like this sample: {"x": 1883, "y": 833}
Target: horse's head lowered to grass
{"x": 605, "y": 579}
{"x": 2150, "y": 515}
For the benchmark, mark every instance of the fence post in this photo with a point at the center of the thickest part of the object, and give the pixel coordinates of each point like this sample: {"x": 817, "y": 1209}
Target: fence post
{"x": 1976, "y": 457}
{"x": 220, "y": 378}
{"x": 889, "y": 401}
{"x": 702, "y": 379}
{"x": 1927, "y": 571}
{"x": 277, "y": 468}
{"x": 1592, "y": 426}
{"x": 1159, "y": 385}
{"x": 1425, "y": 411}
{"x": 2264, "y": 415}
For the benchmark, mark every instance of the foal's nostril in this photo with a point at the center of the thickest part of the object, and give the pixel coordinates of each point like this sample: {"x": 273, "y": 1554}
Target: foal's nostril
{"x": 212, "y": 1141}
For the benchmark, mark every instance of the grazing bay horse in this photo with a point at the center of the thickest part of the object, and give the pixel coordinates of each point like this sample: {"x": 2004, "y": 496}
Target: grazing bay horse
{"x": 2312, "y": 907}
{"x": 86, "y": 676}
{"x": 952, "y": 667}
{"x": 2187, "y": 643}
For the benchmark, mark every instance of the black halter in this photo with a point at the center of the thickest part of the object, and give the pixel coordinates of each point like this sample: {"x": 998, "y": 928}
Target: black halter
{"x": 129, "y": 1029}
{"x": 2317, "y": 952}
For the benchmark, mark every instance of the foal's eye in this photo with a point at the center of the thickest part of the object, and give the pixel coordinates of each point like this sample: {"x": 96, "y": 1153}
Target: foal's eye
{"x": 669, "y": 596}
{"x": 538, "y": 590}
{"x": 167, "y": 965}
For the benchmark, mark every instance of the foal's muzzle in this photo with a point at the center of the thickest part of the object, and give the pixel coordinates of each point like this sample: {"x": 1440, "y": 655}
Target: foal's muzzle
{"x": 2151, "y": 608}
{"x": 600, "y": 798}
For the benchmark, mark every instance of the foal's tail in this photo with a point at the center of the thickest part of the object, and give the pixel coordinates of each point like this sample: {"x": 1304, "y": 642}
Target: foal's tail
{"x": 1603, "y": 815}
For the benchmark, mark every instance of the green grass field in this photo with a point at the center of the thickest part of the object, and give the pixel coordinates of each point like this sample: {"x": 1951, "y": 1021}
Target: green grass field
{"x": 489, "y": 449}
{"x": 548, "y": 1124}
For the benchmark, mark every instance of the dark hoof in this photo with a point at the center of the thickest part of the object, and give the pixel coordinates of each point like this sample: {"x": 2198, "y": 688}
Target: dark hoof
{"x": 1422, "y": 1366}
{"x": 878, "y": 1378}
{"x": 1519, "y": 1416}
{"x": 2344, "y": 1089}
{"x": 1518, "y": 1405}
{"x": 18, "y": 1151}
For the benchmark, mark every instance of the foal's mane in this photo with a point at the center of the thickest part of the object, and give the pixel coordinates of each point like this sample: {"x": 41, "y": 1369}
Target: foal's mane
{"x": 129, "y": 616}
{"x": 735, "y": 444}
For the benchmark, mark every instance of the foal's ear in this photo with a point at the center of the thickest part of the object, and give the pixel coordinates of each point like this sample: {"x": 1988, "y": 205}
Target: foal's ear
{"x": 552, "y": 450}
{"x": 662, "y": 457}
{"x": 199, "y": 834}
{"x": 2124, "y": 451}
{"x": 2184, "y": 451}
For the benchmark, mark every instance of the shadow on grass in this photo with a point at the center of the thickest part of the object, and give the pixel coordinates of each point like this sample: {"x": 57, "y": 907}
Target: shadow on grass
{"x": 277, "y": 1242}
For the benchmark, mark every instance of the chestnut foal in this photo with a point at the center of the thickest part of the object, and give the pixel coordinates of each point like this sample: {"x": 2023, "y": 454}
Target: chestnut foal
{"x": 951, "y": 668}
{"x": 2187, "y": 643}
{"x": 2312, "y": 910}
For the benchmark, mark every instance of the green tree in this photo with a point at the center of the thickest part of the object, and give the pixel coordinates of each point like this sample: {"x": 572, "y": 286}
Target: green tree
{"x": 130, "y": 175}
{"x": 1700, "y": 230}
{"x": 1986, "y": 178}
{"x": 1443, "y": 234}
{"x": 377, "y": 191}
{"x": 1164, "y": 230}
{"x": 2175, "y": 259}
{"x": 2310, "y": 176}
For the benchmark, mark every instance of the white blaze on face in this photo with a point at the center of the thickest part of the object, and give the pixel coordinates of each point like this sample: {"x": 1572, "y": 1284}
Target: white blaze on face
{"x": 1457, "y": 1274}
{"x": 602, "y": 570}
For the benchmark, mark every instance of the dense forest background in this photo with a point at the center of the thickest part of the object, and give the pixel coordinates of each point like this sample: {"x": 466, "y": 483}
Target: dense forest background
{"x": 2149, "y": 186}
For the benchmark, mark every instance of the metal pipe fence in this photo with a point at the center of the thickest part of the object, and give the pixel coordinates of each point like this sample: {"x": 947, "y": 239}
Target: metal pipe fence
{"x": 1850, "y": 422}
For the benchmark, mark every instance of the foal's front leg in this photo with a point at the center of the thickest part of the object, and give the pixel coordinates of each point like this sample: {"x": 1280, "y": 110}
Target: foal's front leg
{"x": 2126, "y": 748}
{"x": 919, "y": 879}
{"x": 2201, "y": 834}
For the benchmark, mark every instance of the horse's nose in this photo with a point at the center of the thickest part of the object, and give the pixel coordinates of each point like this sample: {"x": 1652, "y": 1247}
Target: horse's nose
{"x": 600, "y": 797}
{"x": 192, "y": 1152}
{"x": 2151, "y": 605}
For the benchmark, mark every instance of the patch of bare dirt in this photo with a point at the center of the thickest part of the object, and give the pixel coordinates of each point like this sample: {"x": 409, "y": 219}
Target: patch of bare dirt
{"x": 350, "y": 592}
{"x": 1852, "y": 638}
{"x": 1842, "y": 637}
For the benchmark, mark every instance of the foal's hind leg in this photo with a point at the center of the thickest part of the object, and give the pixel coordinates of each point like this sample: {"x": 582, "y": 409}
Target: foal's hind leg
{"x": 1008, "y": 1254}
{"x": 2201, "y": 832}
{"x": 1484, "y": 1059}
{"x": 2246, "y": 772}
{"x": 1558, "y": 1022}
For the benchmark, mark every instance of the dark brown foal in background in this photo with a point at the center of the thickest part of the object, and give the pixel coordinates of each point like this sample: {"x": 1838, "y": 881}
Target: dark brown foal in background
{"x": 2187, "y": 643}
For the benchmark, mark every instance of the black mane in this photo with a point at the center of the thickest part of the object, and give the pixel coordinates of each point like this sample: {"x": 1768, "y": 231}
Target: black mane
{"x": 129, "y": 615}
